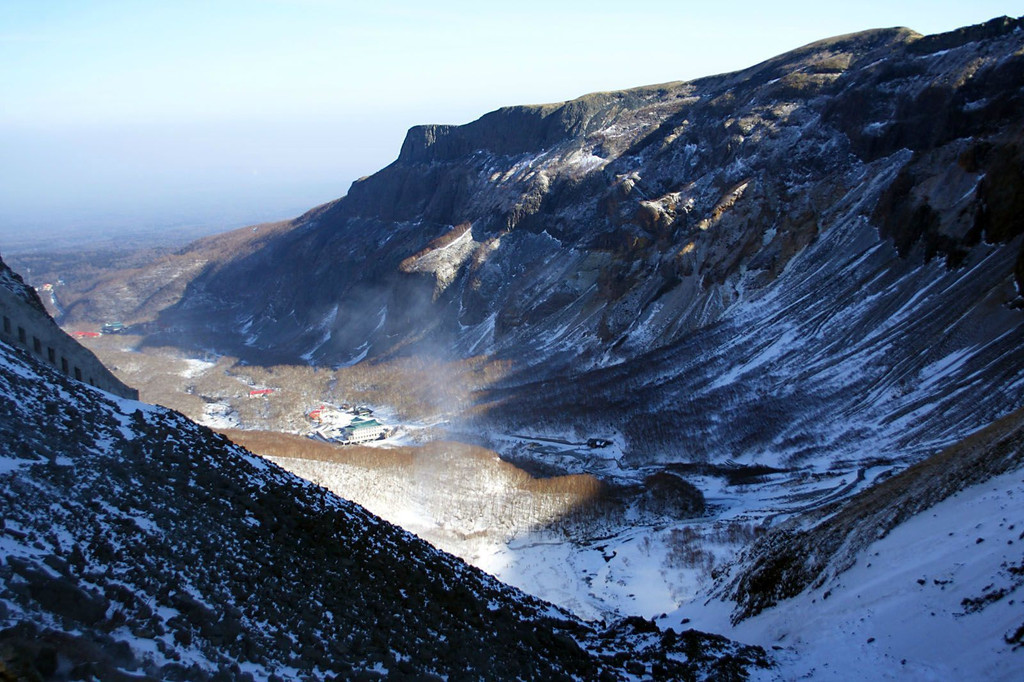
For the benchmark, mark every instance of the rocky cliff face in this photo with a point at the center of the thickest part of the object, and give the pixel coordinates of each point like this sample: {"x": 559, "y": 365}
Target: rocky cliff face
{"x": 823, "y": 248}
{"x": 27, "y": 325}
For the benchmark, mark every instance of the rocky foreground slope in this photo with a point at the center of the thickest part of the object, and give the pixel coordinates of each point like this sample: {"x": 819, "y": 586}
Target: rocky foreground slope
{"x": 135, "y": 544}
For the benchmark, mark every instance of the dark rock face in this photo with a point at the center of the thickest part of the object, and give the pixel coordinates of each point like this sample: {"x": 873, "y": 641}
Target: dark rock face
{"x": 13, "y": 282}
{"x": 586, "y": 213}
{"x": 27, "y": 325}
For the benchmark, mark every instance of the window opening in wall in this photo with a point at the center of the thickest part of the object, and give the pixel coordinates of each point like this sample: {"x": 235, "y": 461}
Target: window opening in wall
{"x": 21, "y": 334}
{"x": 64, "y": 365}
{"x": 78, "y": 374}
{"x": 7, "y": 325}
{"x": 37, "y": 345}
{"x": 51, "y": 355}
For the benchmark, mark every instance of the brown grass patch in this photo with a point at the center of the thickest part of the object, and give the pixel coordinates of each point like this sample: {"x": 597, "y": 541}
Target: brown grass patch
{"x": 274, "y": 444}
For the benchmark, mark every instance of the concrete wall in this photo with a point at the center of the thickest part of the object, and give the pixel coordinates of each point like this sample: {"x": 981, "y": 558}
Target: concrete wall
{"x": 23, "y": 325}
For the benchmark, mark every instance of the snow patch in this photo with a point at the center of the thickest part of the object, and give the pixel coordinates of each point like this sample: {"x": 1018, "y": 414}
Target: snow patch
{"x": 904, "y": 610}
{"x": 219, "y": 416}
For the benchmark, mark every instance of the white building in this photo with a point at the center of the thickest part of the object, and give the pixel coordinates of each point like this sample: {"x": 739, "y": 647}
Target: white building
{"x": 362, "y": 430}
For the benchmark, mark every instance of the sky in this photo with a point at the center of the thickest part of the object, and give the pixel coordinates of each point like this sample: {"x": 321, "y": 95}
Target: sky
{"x": 180, "y": 118}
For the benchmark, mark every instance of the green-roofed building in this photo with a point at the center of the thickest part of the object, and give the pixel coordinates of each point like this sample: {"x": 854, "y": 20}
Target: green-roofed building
{"x": 363, "y": 430}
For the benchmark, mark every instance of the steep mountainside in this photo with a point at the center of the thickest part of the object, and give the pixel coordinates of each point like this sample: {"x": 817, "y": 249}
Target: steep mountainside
{"x": 624, "y": 221}
{"x": 135, "y": 544}
{"x": 27, "y": 325}
{"x": 830, "y": 237}
{"x": 916, "y": 578}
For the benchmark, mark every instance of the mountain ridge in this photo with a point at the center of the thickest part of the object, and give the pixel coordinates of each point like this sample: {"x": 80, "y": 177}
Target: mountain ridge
{"x": 421, "y": 195}
{"x": 836, "y": 202}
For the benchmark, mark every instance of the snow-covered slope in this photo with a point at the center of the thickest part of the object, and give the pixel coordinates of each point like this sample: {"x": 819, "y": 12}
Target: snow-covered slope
{"x": 135, "y": 544}
{"x": 920, "y": 577}
{"x": 938, "y": 598}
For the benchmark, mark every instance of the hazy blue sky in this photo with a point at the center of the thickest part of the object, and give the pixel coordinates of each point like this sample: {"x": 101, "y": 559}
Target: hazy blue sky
{"x": 141, "y": 115}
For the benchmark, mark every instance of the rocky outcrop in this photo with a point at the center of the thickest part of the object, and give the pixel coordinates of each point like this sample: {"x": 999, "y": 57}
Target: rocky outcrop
{"x": 512, "y": 131}
{"x": 27, "y": 325}
{"x": 684, "y": 192}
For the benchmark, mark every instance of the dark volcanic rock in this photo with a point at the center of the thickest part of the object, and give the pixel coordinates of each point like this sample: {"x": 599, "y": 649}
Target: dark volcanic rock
{"x": 589, "y": 213}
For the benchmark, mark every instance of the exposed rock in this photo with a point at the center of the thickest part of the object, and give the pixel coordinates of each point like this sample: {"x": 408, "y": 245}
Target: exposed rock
{"x": 27, "y": 325}
{"x": 724, "y": 179}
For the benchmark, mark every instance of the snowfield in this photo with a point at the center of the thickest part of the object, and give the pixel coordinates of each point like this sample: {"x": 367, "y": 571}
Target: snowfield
{"x": 939, "y": 598}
